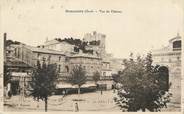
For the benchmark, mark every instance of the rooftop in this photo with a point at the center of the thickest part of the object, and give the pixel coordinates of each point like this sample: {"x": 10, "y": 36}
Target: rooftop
{"x": 44, "y": 50}
{"x": 178, "y": 37}
{"x": 83, "y": 55}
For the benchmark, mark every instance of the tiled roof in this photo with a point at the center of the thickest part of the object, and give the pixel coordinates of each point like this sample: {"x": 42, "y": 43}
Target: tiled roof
{"x": 44, "y": 50}
{"x": 50, "y": 42}
{"x": 84, "y": 56}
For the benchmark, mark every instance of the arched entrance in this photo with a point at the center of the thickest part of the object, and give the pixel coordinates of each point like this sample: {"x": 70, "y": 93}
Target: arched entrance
{"x": 164, "y": 77}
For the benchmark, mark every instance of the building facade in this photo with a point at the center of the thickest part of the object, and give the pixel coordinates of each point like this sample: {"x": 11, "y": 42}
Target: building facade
{"x": 58, "y": 45}
{"x": 63, "y": 53}
{"x": 170, "y": 57}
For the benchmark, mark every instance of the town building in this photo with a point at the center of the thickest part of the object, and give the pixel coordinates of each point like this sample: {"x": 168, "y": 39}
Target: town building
{"x": 66, "y": 53}
{"x": 59, "y": 45}
{"x": 170, "y": 57}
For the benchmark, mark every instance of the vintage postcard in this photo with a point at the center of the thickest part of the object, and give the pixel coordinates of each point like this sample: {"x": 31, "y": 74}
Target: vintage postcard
{"x": 93, "y": 56}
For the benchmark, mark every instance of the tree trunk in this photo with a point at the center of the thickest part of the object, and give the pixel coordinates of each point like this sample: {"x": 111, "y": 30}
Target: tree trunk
{"x": 79, "y": 90}
{"x": 96, "y": 85}
{"x": 46, "y": 104}
{"x": 95, "y": 82}
{"x": 143, "y": 109}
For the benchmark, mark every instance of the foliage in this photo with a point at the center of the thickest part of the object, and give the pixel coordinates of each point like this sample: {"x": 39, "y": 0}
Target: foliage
{"x": 76, "y": 49}
{"x": 43, "y": 81}
{"x": 71, "y": 41}
{"x": 141, "y": 86}
{"x": 10, "y": 42}
{"x": 95, "y": 42}
{"x": 78, "y": 77}
{"x": 79, "y": 44}
{"x": 7, "y": 75}
{"x": 116, "y": 77}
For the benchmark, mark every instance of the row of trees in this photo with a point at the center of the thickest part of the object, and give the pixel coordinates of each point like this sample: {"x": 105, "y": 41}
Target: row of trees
{"x": 142, "y": 86}
{"x": 44, "y": 80}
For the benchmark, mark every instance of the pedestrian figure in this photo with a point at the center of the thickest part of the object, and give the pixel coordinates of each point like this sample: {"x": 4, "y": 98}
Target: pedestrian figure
{"x": 76, "y": 107}
{"x": 9, "y": 94}
{"x": 63, "y": 92}
{"x": 101, "y": 92}
{"x": 37, "y": 106}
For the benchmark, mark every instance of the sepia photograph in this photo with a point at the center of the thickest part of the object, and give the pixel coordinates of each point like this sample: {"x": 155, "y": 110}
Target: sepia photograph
{"x": 91, "y": 55}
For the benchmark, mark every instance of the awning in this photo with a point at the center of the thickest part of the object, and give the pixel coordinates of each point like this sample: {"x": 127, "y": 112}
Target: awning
{"x": 89, "y": 85}
{"x": 60, "y": 86}
{"x": 67, "y": 85}
{"x": 19, "y": 74}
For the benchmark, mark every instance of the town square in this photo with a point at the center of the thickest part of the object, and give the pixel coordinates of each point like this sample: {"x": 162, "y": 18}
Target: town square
{"x": 123, "y": 56}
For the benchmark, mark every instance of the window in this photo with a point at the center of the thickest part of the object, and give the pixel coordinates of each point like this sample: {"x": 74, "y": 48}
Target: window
{"x": 176, "y": 44}
{"x": 49, "y": 57}
{"x": 59, "y": 58}
{"x": 178, "y": 58}
{"x": 43, "y": 58}
{"x": 107, "y": 66}
{"x": 15, "y": 52}
{"x": 66, "y": 68}
{"x": 103, "y": 64}
{"x": 66, "y": 59}
{"x": 104, "y": 73}
{"x": 38, "y": 55}
{"x": 59, "y": 68}
{"x": 18, "y": 52}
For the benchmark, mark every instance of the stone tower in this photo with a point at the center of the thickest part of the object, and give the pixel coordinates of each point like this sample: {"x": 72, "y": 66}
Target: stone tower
{"x": 94, "y": 36}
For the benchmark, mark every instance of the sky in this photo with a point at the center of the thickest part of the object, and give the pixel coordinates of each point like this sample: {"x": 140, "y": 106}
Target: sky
{"x": 141, "y": 26}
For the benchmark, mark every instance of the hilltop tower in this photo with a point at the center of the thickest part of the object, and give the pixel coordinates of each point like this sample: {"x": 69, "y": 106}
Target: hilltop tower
{"x": 98, "y": 37}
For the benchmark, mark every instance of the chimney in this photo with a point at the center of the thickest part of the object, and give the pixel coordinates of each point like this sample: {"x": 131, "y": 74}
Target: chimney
{"x": 4, "y": 35}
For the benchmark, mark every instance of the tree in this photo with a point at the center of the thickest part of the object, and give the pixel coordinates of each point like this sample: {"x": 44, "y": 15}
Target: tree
{"x": 10, "y": 42}
{"x": 96, "y": 77}
{"x": 7, "y": 79}
{"x": 7, "y": 75}
{"x": 78, "y": 77}
{"x": 141, "y": 88}
{"x": 116, "y": 77}
{"x": 43, "y": 81}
